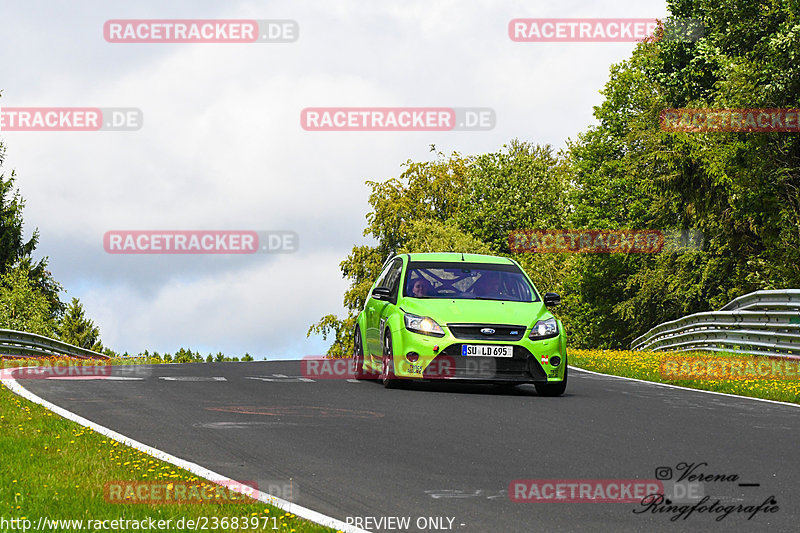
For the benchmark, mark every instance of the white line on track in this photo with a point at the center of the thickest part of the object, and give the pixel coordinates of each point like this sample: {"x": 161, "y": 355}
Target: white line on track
{"x": 668, "y": 385}
{"x": 191, "y": 378}
{"x": 194, "y": 468}
{"x": 280, "y": 378}
{"x": 85, "y": 378}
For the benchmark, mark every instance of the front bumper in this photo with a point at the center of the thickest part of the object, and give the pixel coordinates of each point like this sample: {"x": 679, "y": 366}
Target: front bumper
{"x": 530, "y": 363}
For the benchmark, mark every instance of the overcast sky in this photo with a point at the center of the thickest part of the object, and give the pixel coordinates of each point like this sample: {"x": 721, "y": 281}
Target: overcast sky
{"x": 222, "y": 148}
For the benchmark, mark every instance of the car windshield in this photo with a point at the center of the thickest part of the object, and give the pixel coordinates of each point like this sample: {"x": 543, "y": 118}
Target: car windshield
{"x": 474, "y": 281}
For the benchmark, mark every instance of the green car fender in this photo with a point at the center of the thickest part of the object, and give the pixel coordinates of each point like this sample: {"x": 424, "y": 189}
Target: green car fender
{"x": 361, "y": 322}
{"x": 562, "y": 341}
{"x": 394, "y": 323}
{"x": 403, "y": 342}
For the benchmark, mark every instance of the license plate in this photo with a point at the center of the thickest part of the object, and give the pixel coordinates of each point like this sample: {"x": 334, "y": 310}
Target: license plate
{"x": 487, "y": 350}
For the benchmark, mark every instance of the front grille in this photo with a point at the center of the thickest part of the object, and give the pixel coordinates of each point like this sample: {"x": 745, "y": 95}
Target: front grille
{"x": 522, "y": 366}
{"x": 472, "y": 332}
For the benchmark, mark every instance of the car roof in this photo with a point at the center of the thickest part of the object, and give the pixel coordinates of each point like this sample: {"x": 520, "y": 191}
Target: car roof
{"x": 455, "y": 257}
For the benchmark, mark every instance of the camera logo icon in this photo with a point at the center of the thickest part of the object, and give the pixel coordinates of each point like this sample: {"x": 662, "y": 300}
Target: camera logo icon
{"x": 663, "y": 473}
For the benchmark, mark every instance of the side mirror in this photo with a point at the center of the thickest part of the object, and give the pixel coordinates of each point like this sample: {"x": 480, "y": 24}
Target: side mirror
{"x": 381, "y": 293}
{"x": 551, "y": 299}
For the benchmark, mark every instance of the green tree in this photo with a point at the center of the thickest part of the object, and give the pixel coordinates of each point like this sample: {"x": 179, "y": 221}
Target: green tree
{"x": 522, "y": 187}
{"x": 425, "y": 191}
{"x": 23, "y": 306}
{"x": 111, "y": 353}
{"x": 78, "y": 330}
{"x": 14, "y": 249}
{"x": 739, "y": 190}
{"x": 459, "y": 204}
{"x": 435, "y": 236}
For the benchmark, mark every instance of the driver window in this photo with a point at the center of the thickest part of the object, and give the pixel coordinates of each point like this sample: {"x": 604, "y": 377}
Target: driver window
{"x": 382, "y": 278}
{"x": 392, "y": 280}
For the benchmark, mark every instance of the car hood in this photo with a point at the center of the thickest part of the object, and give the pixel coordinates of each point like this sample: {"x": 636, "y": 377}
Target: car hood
{"x": 448, "y": 311}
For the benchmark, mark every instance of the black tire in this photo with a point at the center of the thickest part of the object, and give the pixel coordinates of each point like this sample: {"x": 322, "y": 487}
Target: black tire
{"x": 358, "y": 355}
{"x": 553, "y": 389}
{"x": 387, "y": 368}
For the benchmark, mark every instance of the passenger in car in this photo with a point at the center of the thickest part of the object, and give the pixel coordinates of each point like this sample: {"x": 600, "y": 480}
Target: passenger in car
{"x": 421, "y": 287}
{"x": 488, "y": 285}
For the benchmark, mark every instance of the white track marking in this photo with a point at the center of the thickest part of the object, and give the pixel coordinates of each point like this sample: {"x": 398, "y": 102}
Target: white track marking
{"x": 86, "y": 378}
{"x": 194, "y": 468}
{"x": 280, "y": 378}
{"x": 685, "y": 388}
{"x": 191, "y": 378}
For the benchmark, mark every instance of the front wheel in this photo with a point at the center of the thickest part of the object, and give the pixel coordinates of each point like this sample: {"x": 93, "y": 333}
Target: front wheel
{"x": 358, "y": 355}
{"x": 387, "y": 370}
{"x": 553, "y": 389}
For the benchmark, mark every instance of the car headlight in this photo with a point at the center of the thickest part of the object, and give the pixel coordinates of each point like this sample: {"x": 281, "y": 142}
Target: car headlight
{"x": 544, "y": 329}
{"x": 424, "y": 325}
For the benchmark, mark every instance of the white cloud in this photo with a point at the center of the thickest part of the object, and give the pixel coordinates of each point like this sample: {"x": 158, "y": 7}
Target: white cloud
{"x": 263, "y": 309}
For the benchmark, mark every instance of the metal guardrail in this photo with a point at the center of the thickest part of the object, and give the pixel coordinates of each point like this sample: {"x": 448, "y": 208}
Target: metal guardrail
{"x": 759, "y": 323}
{"x": 21, "y": 344}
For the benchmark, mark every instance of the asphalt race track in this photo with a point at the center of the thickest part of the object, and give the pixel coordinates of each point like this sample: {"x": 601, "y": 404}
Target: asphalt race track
{"x": 450, "y": 451}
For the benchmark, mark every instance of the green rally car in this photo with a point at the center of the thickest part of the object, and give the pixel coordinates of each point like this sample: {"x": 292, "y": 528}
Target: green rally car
{"x": 460, "y": 316}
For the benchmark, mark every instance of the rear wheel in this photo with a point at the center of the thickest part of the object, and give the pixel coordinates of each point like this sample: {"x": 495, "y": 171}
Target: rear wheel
{"x": 387, "y": 370}
{"x": 358, "y": 355}
{"x": 553, "y": 389}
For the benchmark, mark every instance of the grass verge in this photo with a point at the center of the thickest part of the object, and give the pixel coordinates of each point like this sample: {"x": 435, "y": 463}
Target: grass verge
{"x": 650, "y": 366}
